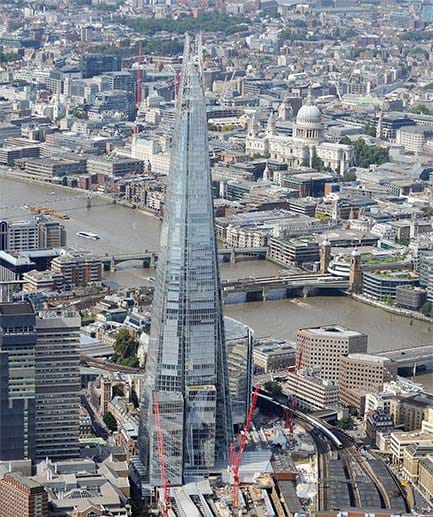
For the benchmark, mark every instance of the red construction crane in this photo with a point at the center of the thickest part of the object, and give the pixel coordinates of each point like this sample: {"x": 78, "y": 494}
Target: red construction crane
{"x": 138, "y": 77}
{"x": 236, "y": 455}
{"x": 289, "y": 416}
{"x": 165, "y": 482}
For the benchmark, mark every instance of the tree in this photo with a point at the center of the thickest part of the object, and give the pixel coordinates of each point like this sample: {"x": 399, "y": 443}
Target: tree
{"x": 210, "y": 22}
{"x": 345, "y": 140}
{"x": 316, "y": 162}
{"x": 131, "y": 362}
{"x": 426, "y": 309}
{"x": 349, "y": 176}
{"x": 420, "y": 109}
{"x": 125, "y": 345}
{"x": 273, "y": 387}
{"x": 366, "y": 155}
{"x": 110, "y": 421}
{"x": 370, "y": 130}
{"x": 345, "y": 423}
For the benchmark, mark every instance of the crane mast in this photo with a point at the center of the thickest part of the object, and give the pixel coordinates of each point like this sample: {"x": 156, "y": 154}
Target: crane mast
{"x": 235, "y": 456}
{"x": 164, "y": 480}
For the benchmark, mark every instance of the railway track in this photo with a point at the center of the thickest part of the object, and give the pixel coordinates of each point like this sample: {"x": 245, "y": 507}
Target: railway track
{"x": 323, "y": 447}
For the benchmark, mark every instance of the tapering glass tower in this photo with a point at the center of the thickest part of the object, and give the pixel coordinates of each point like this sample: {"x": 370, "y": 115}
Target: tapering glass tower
{"x": 186, "y": 362}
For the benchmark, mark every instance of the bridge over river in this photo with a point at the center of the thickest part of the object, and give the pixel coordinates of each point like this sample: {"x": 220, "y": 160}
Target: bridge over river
{"x": 149, "y": 258}
{"x": 280, "y": 286}
{"x": 412, "y": 360}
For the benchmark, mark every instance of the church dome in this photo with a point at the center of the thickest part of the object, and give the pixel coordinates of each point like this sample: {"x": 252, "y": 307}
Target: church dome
{"x": 308, "y": 115}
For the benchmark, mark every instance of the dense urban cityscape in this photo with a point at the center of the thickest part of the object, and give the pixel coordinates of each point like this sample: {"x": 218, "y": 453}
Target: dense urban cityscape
{"x": 216, "y": 258}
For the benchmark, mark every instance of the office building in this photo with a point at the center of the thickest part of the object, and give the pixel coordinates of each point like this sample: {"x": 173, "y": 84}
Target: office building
{"x": 377, "y": 421}
{"x": 408, "y": 412}
{"x": 382, "y": 285}
{"x": 36, "y": 233}
{"x": 22, "y": 497}
{"x": 78, "y": 269}
{"x": 50, "y": 168}
{"x": 361, "y": 374}
{"x": 124, "y": 81}
{"x": 425, "y": 476}
{"x": 311, "y": 391}
{"x": 14, "y": 264}
{"x": 426, "y": 275}
{"x": 273, "y": 356}
{"x": 414, "y": 138}
{"x": 239, "y": 343}
{"x": 113, "y": 103}
{"x": 114, "y": 167}
{"x": 42, "y": 280}
{"x": 92, "y": 64}
{"x": 186, "y": 368}
{"x": 18, "y": 381}
{"x": 399, "y": 440}
{"x": 294, "y": 251}
{"x": 410, "y": 297}
{"x": 18, "y": 235}
{"x": 8, "y": 155}
{"x": 323, "y": 347}
{"x": 412, "y": 456}
{"x": 57, "y": 384}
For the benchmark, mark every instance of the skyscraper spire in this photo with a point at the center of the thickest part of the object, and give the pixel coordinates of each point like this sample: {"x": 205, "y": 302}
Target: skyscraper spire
{"x": 186, "y": 362}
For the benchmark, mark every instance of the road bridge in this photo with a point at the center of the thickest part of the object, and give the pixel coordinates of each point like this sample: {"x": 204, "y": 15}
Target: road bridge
{"x": 280, "y": 286}
{"x": 412, "y": 360}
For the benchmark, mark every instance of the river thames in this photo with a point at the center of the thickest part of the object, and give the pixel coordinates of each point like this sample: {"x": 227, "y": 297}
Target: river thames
{"x": 123, "y": 230}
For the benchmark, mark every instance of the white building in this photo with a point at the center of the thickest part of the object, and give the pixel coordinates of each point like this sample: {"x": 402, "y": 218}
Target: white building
{"x": 152, "y": 153}
{"x": 301, "y": 148}
{"x": 311, "y": 391}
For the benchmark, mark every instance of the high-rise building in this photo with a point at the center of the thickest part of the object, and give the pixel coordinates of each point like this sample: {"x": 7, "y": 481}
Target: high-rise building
{"x": 361, "y": 374}
{"x": 22, "y": 497}
{"x": 323, "y": 347}
{"x": 96, "y": 64}
{"x": 186, "y": 364}
{"x": 39, "y": 383}
{"x": 17, "y": 381}
{"x": 57, "y": 384}
{"x": 36, "y": 233}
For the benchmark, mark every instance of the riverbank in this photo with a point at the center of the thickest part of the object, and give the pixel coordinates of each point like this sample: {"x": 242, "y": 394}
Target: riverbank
{"x": 125, "y": 230}
{"x": 393, "y": 310}
{"x": 25, "y": 178}
{"x": 14, "y": 176}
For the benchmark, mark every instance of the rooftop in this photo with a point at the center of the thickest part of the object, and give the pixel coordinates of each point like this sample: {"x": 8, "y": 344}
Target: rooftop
{"x": 332, "y": 330}
{"x": 16, "y": 309}
{"x": 368, "y": 358}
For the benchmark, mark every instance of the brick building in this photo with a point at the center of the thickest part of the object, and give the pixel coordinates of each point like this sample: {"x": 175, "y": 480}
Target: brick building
{"x": 22, "y": 497}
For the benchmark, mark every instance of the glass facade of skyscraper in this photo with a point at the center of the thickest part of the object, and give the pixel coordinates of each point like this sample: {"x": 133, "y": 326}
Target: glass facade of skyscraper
{"x": 186, "y": 363}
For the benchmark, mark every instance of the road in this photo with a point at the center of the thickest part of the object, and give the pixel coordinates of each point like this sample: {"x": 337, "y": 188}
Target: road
{"x": 97, "y": 423}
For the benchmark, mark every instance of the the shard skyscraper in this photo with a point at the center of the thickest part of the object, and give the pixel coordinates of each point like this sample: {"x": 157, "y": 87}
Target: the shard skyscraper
{"x": 186, "y": 362}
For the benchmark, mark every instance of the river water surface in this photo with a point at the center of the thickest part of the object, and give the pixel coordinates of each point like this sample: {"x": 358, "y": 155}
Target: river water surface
{"x": 123, "y": 230}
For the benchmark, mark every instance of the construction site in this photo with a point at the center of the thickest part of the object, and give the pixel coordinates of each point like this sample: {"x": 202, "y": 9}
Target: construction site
{"x": 286, "y": 466}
